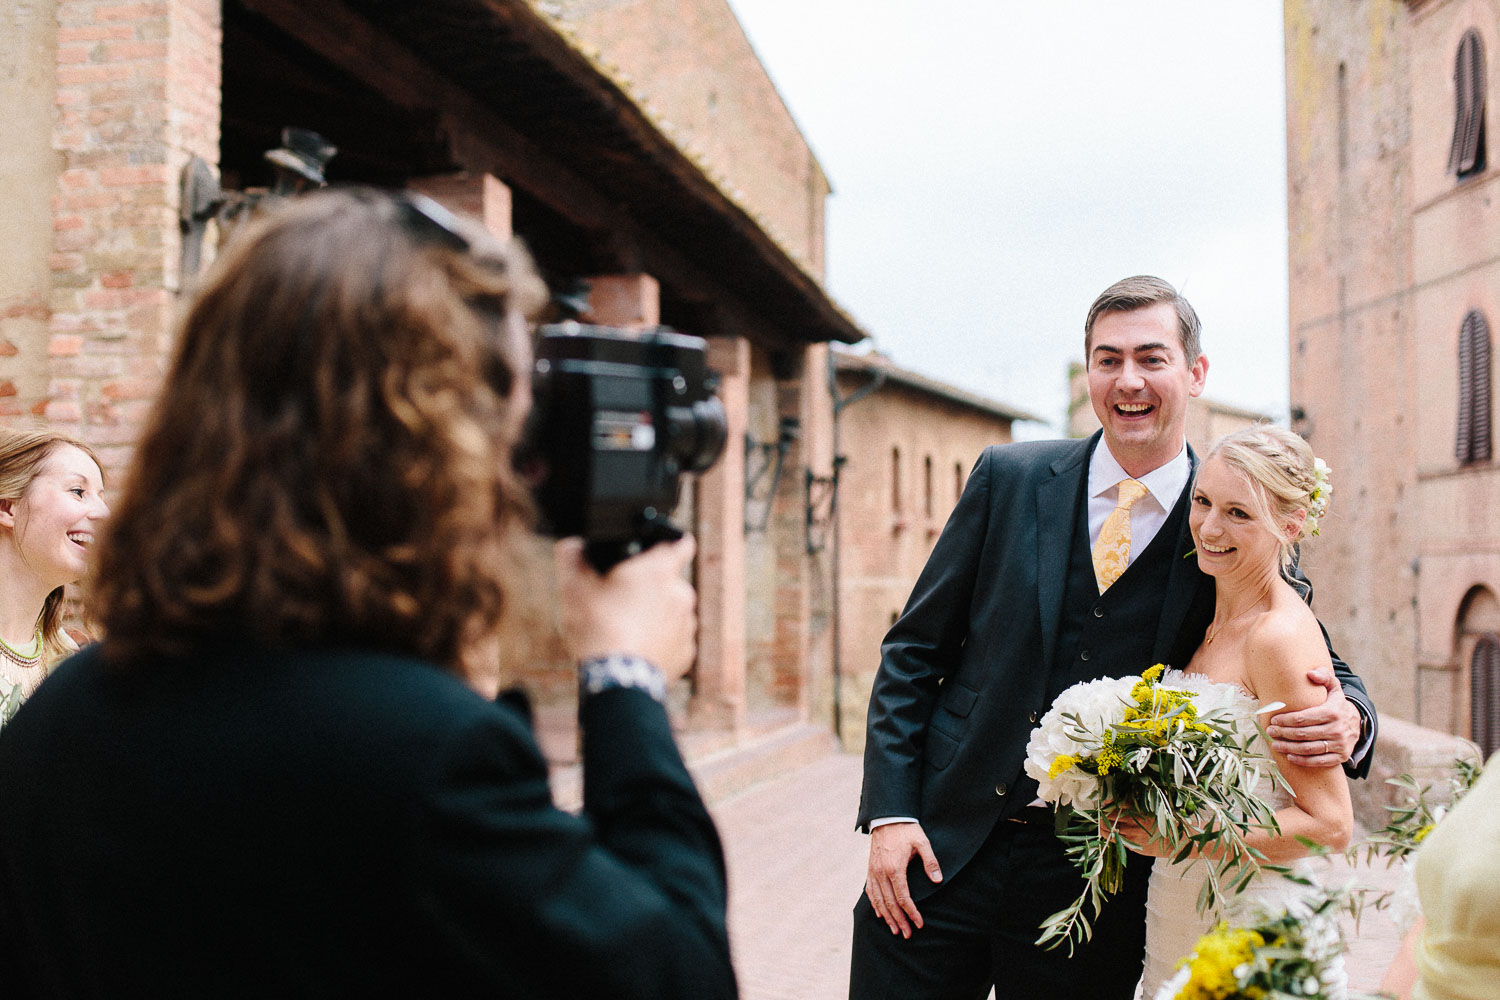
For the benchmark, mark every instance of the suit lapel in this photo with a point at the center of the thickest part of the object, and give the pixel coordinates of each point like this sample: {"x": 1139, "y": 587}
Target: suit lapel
{"x": 1057, "y": 499}
{"x": 1182, "y": 580}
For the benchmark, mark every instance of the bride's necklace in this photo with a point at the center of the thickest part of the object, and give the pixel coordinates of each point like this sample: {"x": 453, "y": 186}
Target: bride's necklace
{"x": 1213, "y": 633}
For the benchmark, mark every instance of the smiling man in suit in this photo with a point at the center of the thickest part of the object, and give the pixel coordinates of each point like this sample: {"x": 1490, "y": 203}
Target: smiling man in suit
{"x": 1063, "y": 561}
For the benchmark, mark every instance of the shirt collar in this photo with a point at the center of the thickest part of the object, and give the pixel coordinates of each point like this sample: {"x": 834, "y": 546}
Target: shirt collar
{"x": 1165, "y": 483}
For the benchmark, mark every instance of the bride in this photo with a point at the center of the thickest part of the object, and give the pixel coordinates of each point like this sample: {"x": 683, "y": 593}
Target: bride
{"x": 1256, "y": 494}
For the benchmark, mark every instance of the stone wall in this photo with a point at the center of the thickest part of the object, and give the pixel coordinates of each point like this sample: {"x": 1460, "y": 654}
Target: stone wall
{"x": 1406, "y": 748}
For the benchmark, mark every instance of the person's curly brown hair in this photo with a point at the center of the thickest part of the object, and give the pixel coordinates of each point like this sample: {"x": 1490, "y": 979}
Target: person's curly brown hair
{"x": 329, "y": 459}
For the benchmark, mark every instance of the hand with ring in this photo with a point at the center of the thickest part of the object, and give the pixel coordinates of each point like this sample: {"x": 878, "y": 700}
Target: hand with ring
{"x": 1322, "y": 736}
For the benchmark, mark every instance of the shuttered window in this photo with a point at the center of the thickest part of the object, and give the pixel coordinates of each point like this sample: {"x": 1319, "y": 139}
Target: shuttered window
{"x": 1466, "y": 156}
{"x": 1484, "y": 694}
{"x": 1473, "y": 390}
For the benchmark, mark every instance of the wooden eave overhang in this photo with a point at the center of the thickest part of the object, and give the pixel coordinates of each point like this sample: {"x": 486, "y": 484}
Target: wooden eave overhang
{"x": 522, "y": 97}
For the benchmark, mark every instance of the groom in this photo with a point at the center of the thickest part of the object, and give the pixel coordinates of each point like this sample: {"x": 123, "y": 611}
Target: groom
{"x": 1014, "y": 605}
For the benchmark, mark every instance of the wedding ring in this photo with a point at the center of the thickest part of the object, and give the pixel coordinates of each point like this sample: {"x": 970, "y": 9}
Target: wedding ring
{"x": 1325, "y": 746}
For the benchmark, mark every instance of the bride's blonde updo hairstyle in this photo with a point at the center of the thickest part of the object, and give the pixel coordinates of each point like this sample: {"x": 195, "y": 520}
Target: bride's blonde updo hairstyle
{"x": 1284, "y": 479}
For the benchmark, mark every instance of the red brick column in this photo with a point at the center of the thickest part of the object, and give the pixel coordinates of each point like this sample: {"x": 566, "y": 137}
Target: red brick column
{"x": 137, "y": 95}
{"x": 719, "y": 690}
{"x": 482, "y": 196}
{"x": 628, "y": 300}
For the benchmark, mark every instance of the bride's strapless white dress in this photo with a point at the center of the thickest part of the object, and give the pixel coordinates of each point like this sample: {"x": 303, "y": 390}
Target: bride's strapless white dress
{"x": 1173, "y": 923}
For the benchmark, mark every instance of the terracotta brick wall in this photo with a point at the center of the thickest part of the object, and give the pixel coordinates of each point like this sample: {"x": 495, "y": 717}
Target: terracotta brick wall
{"x": 137, "y": 94}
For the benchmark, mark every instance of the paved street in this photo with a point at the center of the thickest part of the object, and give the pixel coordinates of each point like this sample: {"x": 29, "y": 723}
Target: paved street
{"x": 796, "y": 865}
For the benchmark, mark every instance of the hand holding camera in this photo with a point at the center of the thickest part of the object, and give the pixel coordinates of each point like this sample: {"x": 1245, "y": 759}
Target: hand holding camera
{"x": 644, "y": 606}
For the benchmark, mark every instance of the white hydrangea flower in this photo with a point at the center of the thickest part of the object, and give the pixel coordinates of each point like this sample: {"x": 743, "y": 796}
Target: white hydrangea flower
{"x": 1098, "y": 704}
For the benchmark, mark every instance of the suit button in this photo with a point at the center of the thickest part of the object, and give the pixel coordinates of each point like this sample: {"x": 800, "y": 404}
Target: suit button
{"x": 1084, "y": 656}
{"x": 1098, "y": 612}
{"x": 1001, "y": 788}
{"x": 1033, "y": 718}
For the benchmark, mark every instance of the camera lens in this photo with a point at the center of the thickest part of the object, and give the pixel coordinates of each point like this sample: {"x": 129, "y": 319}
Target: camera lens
{"x": 698, "y": 433}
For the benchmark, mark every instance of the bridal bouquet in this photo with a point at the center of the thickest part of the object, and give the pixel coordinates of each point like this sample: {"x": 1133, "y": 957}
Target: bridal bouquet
{"x": 1278, "y": 952}
{"x": 1181, "y": 759}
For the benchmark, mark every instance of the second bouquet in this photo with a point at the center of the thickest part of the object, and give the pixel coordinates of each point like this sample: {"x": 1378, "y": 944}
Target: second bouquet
{"x": 1177, "y": 754}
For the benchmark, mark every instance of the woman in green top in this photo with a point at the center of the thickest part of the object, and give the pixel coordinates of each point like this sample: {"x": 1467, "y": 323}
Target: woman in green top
{"x": 51, "y": 499}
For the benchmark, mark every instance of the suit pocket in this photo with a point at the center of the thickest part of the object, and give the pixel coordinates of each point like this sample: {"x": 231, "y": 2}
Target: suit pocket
{"x": 940, "y": 748}
{"x": 958, "y": 699}
{"x": 949, "y": 722}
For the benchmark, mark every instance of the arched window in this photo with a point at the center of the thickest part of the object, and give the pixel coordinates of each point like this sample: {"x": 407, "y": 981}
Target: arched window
{"x": 1473, "y": 390}
{"x": 1484, "y": 694}
{"x": 1466, "y": 157}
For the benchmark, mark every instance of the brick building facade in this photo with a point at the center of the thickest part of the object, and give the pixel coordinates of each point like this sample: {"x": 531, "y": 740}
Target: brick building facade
{"x": 674, "y": 182}
{"x": 1395, "y": 285}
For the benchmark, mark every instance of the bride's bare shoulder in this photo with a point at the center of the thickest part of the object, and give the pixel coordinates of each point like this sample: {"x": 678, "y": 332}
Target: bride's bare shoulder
{"x": 1282, "y": 646}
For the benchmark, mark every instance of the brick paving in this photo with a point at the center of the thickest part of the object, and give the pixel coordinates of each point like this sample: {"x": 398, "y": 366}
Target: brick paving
{"x": 796, "y": 865}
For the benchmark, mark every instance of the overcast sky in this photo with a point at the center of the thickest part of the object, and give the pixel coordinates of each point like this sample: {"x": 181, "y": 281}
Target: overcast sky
{"x": 997, "y": 163}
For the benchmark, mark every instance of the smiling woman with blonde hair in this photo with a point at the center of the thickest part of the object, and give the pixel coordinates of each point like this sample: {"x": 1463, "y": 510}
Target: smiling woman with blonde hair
{"x": 51, "y": 499}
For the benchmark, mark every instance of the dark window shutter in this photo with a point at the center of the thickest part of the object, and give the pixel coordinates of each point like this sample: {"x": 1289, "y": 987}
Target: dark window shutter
{"x": 1474, "y": 397}
{"x": 1484, "y": 694}
{"x": 1467, "y": 154}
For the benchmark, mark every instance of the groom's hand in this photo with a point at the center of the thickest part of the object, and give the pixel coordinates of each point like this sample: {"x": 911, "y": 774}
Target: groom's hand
{"x": 892, "y": 847}
{"x": 1324, "y": 736}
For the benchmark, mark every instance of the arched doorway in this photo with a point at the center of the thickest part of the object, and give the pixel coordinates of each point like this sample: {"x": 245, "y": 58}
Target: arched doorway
{"x": 1477, "y": 658}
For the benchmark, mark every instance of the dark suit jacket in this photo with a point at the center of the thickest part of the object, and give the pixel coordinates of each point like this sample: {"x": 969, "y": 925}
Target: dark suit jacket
{"x": 248, "y": 823}
{"x": 963, "y": 672}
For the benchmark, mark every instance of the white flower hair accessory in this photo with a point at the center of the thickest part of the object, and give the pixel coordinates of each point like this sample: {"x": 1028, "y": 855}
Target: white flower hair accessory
{"x": 1321, "y": 491}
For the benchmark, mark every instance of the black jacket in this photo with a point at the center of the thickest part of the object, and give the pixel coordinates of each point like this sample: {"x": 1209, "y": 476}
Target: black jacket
{"x": 253, "y": 823}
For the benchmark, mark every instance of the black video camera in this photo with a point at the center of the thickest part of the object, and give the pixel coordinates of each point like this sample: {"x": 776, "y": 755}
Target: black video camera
{"x": 617, "y": 417}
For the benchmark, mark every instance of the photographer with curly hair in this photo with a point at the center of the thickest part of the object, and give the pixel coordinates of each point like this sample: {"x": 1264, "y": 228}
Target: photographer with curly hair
{"x": 270, "y": 778}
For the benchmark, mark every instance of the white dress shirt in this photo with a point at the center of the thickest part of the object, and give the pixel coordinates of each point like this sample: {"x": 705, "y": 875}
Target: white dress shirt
{"x": 1164, "y": 484}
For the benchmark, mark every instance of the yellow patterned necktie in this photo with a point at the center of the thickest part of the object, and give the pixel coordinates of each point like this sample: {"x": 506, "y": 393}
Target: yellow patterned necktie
{"x": 1112, "y": 551}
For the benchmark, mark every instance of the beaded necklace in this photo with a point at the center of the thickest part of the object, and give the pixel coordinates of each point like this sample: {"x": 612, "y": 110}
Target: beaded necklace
{"x": 21, "y": 659}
